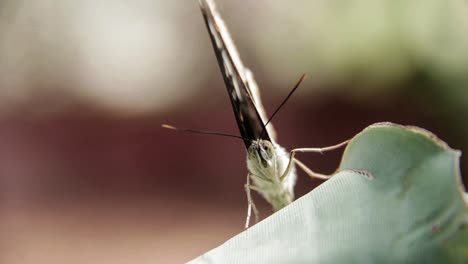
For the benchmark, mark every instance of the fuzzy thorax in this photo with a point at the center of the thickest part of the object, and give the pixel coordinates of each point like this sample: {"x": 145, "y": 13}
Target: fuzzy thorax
{"x": 267, "y": 164}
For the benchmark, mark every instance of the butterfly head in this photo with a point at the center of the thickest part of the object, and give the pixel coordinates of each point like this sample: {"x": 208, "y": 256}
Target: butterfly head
{"x": 262, "y": 152}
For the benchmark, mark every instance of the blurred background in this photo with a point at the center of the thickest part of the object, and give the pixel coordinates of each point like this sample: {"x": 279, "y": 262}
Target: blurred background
{"x": 87, "y": 175}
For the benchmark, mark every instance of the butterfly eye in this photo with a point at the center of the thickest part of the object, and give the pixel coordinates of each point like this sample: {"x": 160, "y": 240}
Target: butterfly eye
{"x": 267, "y": 149}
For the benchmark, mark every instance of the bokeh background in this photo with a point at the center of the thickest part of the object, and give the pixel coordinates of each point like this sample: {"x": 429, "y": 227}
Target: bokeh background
{"x": 87, "y": 175}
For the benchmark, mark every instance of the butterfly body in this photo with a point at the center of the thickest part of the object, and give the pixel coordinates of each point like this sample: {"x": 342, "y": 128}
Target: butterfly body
{"x": 272, "y": 178}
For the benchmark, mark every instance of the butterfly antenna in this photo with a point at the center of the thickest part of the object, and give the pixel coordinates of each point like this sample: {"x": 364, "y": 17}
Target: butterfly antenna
{"x": 284, "y": 101}
{"x": 202, "y": 132}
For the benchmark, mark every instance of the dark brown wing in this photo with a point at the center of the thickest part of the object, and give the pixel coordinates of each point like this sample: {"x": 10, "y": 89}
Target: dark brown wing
{"x": 249, "y": 121}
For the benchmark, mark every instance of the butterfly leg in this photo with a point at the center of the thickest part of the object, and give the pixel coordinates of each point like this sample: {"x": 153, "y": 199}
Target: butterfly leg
{"x": 306, "y": 169}
{"x": 321, "y": 150}
{"x": 251, "y": 205}
{"x": 312, "y": 173}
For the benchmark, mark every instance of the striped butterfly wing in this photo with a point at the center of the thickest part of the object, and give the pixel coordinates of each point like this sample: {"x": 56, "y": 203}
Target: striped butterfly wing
{"x": 241, "y": 86}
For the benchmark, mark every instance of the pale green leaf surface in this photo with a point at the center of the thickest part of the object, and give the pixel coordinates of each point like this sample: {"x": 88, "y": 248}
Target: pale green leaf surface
{"x": 409, "y": 208}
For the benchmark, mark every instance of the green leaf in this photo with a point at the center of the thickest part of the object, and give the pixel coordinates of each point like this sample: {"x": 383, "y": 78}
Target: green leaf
{"x": 398, "y": 198}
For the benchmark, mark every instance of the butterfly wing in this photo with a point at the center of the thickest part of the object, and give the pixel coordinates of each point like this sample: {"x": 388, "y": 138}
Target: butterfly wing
{"x": 240, "y": 85}
{"x": 255, "y": 94}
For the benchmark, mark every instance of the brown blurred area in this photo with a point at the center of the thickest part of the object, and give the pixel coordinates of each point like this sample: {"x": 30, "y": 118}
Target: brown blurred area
{"x": 87, "y": 174}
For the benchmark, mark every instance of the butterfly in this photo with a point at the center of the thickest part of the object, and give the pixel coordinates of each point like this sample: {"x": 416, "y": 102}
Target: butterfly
{"x": 271, "y": 169}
